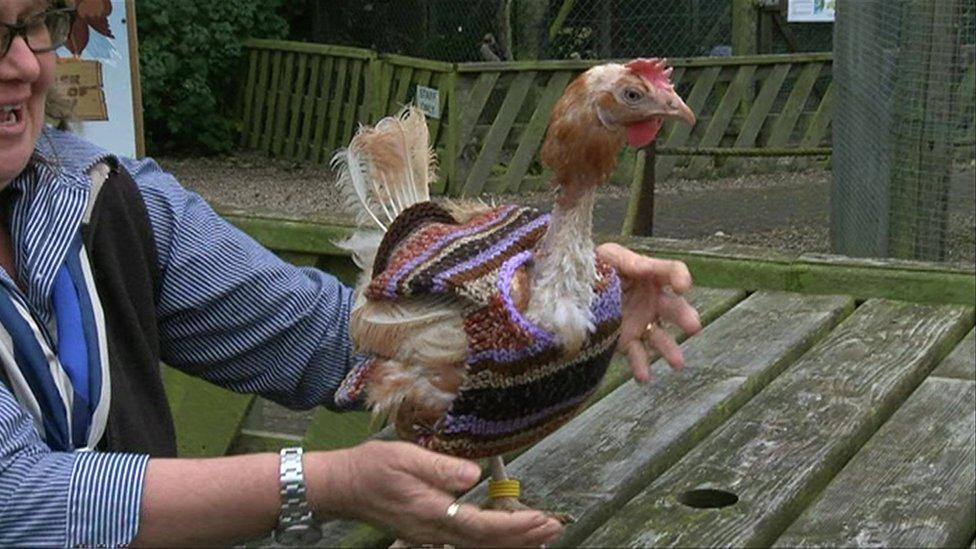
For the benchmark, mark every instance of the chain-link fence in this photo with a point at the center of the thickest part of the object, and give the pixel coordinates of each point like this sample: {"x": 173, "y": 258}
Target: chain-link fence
{"x": 456, "y": 30}
{"x": 601, "y": 29}
{"x": 903, "y": 128}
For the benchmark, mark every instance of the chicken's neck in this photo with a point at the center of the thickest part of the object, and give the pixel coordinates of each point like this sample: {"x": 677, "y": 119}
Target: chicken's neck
{"x": 564, "y": 271}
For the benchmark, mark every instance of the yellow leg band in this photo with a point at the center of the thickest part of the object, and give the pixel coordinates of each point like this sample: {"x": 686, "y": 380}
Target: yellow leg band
{"x": 504, "y": 489}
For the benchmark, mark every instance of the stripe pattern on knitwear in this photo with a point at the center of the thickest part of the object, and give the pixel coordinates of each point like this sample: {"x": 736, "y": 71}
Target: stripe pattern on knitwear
{"x": 519, "y": 385}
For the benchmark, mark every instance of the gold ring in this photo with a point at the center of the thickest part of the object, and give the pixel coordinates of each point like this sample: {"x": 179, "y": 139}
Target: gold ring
{"x": 453, "y": 509}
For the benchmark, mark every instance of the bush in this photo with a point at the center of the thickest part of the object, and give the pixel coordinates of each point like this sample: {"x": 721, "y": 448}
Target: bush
{"x": 191, "y": 60}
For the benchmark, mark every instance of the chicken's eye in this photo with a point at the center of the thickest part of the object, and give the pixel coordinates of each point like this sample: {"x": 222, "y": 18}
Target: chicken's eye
{"x": 632, "y": 96}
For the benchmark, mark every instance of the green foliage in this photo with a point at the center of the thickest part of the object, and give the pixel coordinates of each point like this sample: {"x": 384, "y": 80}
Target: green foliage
{"x": 191, "y": 57}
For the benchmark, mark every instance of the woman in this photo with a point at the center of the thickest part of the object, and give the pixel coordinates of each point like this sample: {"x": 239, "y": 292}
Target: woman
{"x": 109, "y": 266}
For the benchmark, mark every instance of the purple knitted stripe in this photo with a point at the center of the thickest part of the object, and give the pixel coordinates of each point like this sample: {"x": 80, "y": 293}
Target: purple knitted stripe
{"x": 499, "y": 248}
{"x": 540, "y": 338}
{"x": 391, "y": 285}
{"x": 482, "y": 427}
{"x": 607, "y": 304}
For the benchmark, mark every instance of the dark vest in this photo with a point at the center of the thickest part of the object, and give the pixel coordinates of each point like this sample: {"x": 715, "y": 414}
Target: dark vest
{"x": 122, "y": 253}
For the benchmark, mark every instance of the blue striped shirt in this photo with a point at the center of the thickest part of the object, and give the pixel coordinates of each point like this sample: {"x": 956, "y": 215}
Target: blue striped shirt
{"x": 229, "y": 311}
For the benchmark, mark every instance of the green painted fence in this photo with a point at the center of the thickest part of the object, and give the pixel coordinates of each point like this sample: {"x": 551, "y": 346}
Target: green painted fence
{"x": 303, "y": 101}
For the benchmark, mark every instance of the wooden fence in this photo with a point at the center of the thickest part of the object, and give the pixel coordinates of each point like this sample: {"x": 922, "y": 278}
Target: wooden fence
{"x": 303, "y": 101}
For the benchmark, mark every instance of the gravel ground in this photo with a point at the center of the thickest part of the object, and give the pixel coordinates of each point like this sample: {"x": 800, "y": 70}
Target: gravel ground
{"x": 787, "y": 211}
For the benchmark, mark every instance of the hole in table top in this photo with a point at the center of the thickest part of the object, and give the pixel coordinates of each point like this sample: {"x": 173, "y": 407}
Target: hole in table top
{"x": 707, "y": 498}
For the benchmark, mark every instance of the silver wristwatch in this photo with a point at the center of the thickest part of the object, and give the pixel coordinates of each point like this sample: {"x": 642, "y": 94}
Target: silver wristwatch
{"x": 296, "y": 525}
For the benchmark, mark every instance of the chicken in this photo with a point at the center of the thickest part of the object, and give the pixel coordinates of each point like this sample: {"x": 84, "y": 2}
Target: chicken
{"x": 486, "y": 328}
{"x": 88, "y": 13}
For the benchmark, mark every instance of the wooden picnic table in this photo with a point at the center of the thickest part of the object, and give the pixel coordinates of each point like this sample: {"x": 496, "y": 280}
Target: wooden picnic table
{"x": 828, "y": 401}
{"x": 799, "y": 420}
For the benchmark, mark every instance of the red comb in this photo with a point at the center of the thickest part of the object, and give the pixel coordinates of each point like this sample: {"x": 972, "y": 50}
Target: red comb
{"x": 654, "y": 70}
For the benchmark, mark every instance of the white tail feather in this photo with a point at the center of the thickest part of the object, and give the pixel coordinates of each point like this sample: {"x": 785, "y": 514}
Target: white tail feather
{"x": 386, "y": 168}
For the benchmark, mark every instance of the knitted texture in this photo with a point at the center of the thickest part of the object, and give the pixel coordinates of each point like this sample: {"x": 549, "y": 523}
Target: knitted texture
{"x": 519, "y": 385}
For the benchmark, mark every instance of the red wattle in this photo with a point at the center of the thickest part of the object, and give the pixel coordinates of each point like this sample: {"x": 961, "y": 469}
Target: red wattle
{"x": 642, "y": 133}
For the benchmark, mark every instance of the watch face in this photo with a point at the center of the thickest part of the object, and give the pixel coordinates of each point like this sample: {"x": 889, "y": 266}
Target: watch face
{"x": 301, "y": 534}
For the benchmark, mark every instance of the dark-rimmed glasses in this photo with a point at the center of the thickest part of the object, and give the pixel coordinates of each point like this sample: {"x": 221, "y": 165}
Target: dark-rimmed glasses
{"x": 43, "y": 32}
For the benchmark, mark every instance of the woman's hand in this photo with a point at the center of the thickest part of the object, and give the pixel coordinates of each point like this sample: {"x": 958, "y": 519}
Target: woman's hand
{"x": 653, "y": 291}
{"x": 408, "y": 490}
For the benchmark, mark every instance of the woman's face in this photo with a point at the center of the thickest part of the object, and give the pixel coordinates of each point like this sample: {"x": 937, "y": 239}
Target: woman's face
{"x": 25, "y": 77}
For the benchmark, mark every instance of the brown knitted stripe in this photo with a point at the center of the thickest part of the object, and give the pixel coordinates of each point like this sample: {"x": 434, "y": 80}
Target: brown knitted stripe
{"x": 406, "y": 224}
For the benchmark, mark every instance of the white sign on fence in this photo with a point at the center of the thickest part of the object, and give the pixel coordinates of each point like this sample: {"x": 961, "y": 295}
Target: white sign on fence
{"x": 429, "y": 101}
{"x": 98, "y": 70}
{"x": 811, "y": 11}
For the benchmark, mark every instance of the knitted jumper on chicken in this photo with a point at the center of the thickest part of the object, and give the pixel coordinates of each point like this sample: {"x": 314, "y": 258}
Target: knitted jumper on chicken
{"x": 519, "y": 385}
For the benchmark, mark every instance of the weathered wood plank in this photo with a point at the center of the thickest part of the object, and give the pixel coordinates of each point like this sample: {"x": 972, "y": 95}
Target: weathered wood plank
{"x": 332, "y": 141}
{"x": 680, "y": 133}
{"x": 270, "y": 419}
{"x": 271, "y": 102}
{"x": 723, "y": 117}
{"x": 761, "y": 106}
{"x": 303, "y": 147}
{"x": 496, "y": 137}
{"x": 284, "y": 101}
{"x": 352, "y": 103}
{"x": 581, "y": 65}
{"x": 207, "y": 417}
{"x": 438, "y": 82}
{"x": 308, "y": 47}
{"x": 387, "y": 72}
{"x": 297, "y": 99}
{"x": 819, "y": 126}
{"x": 322, "y": 109}
{"x": 911, "y": 485}
{"x": 961, "y": 363}
{"x": 535, "y": 132}
{"x": 783, "y": 129}
{"x": 249, "y": 85}
{"x": 820, "y": 123}
{"x": 399, "y": 98}
{"x": 473, "y": 104}
{"x": 264, "y": 72}
{"x": 789, "y": 441}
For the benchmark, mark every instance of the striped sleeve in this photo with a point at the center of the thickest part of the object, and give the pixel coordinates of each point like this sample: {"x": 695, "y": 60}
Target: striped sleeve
{"x": 233, "y": 313}
{"x": 63, "y": 499}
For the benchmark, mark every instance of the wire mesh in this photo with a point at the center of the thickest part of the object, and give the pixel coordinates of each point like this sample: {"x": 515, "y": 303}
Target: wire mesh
{"x": 600, "y": 29}
{"x": 903, "y": 127}
{"x": 455, "y": 30}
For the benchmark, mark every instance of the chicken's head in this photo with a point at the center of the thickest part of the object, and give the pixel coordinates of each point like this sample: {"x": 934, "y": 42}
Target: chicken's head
{"x": 606, "y": 107}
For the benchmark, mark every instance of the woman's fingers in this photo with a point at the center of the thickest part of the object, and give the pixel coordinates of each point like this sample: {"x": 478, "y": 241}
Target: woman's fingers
{"x": 662, "y": 342}
{"x": 474, "y": 526}
{"x": 639, "y": 360}
{"x": 664, "y": 272}
{"x": 676, "y": 310}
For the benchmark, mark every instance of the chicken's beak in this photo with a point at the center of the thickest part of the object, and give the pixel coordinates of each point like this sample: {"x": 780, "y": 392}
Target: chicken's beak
{"x": 675, "y": 107}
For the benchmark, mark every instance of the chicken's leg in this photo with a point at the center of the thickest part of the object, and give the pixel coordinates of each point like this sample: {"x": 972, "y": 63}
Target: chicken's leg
{"x": 503, "y": 493}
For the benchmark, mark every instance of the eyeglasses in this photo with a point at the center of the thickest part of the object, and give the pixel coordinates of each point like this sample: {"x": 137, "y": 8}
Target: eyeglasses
{"x": 43, "y": 32}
